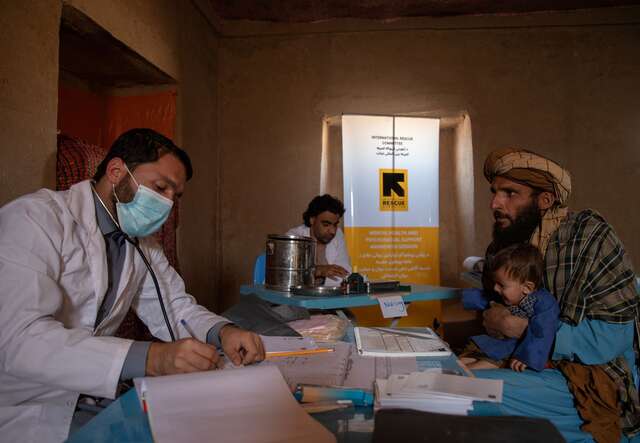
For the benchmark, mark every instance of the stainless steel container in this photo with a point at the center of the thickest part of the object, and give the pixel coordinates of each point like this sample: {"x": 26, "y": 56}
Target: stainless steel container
{"x": 290, "y": 262}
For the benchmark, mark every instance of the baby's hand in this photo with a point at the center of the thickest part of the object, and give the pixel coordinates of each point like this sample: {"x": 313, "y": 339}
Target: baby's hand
{"x": 517, "y": 365}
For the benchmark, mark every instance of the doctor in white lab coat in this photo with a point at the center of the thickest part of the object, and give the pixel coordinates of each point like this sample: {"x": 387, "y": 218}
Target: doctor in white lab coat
{"x": 53, "y": 281}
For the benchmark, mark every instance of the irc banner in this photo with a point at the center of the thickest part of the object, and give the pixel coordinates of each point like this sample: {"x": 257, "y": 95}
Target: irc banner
{"x": 390, "y": 168}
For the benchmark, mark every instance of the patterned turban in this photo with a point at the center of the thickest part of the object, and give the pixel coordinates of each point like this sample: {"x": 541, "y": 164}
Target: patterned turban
{"x": 529, "y": 169}
{"x": 538, "y": 172}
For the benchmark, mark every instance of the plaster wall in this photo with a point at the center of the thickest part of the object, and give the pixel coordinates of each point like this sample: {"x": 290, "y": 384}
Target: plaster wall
{"x": 149, "y": 27}
{"x": 198, "y": 237}
{"x": 28, "y": 95}
{"x": 566, "y": 90}
{"x": 175, "y": 37}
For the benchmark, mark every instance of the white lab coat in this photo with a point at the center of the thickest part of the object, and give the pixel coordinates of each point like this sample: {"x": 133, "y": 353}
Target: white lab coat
{"x": 53, "y": 278}
{"x": 336, "y": 251}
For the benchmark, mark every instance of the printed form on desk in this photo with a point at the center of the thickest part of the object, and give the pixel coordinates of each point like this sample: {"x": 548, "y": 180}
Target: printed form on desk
{"x": 250, "y": 404}
{"x": 400, "y": 342}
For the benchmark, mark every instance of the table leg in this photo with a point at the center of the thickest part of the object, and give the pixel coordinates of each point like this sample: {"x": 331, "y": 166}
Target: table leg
{"x": 395, "y": 320}
{"x": 340, "y": 313}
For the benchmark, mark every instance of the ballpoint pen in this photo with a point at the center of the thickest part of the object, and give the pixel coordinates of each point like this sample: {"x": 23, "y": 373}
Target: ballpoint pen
{"x": 222, "y": 355}
{"x": 184, "y": 323}
{"x": 407, "y": 333}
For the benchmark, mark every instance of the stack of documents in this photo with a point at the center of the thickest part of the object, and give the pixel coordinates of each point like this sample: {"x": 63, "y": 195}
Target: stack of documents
{"x": 303, "y": 361}
{"x": 435, "y": 392}
{"x": 400, "y": 342}
{"x": 287, "y": 344}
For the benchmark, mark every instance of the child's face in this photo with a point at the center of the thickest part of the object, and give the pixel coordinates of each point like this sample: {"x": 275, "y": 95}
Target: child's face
{"x": 511, "y": 290}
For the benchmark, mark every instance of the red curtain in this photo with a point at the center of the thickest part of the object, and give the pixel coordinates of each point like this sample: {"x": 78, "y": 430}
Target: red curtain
{"x": 156, "y": 111}
{"x": 82, "y": 114}
{"x": 99, "y": 119}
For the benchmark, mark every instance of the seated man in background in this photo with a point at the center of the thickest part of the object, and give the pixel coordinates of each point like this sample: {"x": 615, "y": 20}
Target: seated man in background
{"x": 71, "y": 266}
{"x": 321, "y": 220}
{"x": 591, "y": 392}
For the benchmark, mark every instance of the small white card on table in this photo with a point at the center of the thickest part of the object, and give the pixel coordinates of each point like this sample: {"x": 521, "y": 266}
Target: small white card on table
{"x": 392, "y": 306}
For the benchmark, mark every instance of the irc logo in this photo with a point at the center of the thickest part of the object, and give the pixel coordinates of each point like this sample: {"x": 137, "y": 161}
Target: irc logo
{"x": 394, "y": 189}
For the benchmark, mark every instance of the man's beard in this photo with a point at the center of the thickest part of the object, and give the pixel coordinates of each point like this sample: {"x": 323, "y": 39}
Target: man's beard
{"x": 124, "y": 192}
{"x": 324, "y": 240}
{"x": 520, "y": 229}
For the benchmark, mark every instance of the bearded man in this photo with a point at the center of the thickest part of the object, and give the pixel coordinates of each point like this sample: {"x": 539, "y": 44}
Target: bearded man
{"x": 591, "y": 390}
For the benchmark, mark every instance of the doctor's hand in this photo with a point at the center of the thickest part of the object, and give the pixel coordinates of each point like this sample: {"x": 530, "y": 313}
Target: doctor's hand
{"x": 187, "y": 355}
{"x": 331, "y": 271}
{"x": 240, "y": 346}
{"x": 499, "y": 322}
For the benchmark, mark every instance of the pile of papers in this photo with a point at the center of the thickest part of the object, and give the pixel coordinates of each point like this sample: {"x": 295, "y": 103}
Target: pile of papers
{"x": 435, "y": 392}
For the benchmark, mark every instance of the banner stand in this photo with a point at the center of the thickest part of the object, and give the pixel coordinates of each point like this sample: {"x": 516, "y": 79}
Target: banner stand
{"x": 391, "y": 193}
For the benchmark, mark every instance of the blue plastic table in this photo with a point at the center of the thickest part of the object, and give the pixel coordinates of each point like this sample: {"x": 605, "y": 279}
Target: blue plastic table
{"x": 418, "y": 293}
{"x": 124, "y": 421}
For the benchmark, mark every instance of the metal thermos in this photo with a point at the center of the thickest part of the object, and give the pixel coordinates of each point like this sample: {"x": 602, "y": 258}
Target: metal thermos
{"x": 290, "y": 262}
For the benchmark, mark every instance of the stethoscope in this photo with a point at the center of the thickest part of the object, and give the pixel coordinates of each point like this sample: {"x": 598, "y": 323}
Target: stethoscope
{"x": 144, "y": 259}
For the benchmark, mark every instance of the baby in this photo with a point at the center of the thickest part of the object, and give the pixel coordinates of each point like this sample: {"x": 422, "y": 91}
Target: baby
{"x": 516, "y": 273}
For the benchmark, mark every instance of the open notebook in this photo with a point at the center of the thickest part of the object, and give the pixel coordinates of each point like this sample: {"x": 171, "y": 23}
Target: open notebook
{"x": 400, "y": 342}
{"x": 247, "y": 404}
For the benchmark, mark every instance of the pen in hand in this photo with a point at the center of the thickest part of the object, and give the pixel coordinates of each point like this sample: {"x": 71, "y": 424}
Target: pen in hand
{"x": 220, "y": 362}
{"x": 184, "y": 323}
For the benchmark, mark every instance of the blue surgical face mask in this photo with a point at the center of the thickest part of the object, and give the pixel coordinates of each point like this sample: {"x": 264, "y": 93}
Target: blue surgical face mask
{"x": 145, "y": 214}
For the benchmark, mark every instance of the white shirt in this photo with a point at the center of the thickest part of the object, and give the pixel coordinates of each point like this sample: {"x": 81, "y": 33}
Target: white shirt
{"x": 336, "y": 251}
{"x": 53, "y": 277}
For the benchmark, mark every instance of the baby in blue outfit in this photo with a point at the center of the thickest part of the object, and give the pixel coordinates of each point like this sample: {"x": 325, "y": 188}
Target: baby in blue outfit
{"x": 516, "y": 273}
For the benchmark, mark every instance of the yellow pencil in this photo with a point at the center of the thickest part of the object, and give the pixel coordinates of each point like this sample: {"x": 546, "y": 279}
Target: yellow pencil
{"x": 298, "y": 353}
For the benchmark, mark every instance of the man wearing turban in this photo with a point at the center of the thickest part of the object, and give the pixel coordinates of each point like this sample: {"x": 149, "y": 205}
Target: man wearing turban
{"x": 595, "y": 356}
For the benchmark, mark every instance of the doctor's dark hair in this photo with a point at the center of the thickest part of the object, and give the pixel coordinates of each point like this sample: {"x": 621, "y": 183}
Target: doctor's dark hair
{"x": 142, "y": 145}
{"x": 320, "y": 204}
{"x": 521, "y": 261}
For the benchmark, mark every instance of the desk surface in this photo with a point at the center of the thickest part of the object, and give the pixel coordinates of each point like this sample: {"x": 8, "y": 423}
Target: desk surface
{"x": 124, "y": 421}
{"x": 418, "y": 293}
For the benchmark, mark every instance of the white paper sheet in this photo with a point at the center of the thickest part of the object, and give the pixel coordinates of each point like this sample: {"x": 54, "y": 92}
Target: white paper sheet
{"x": 251, "y": 404}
